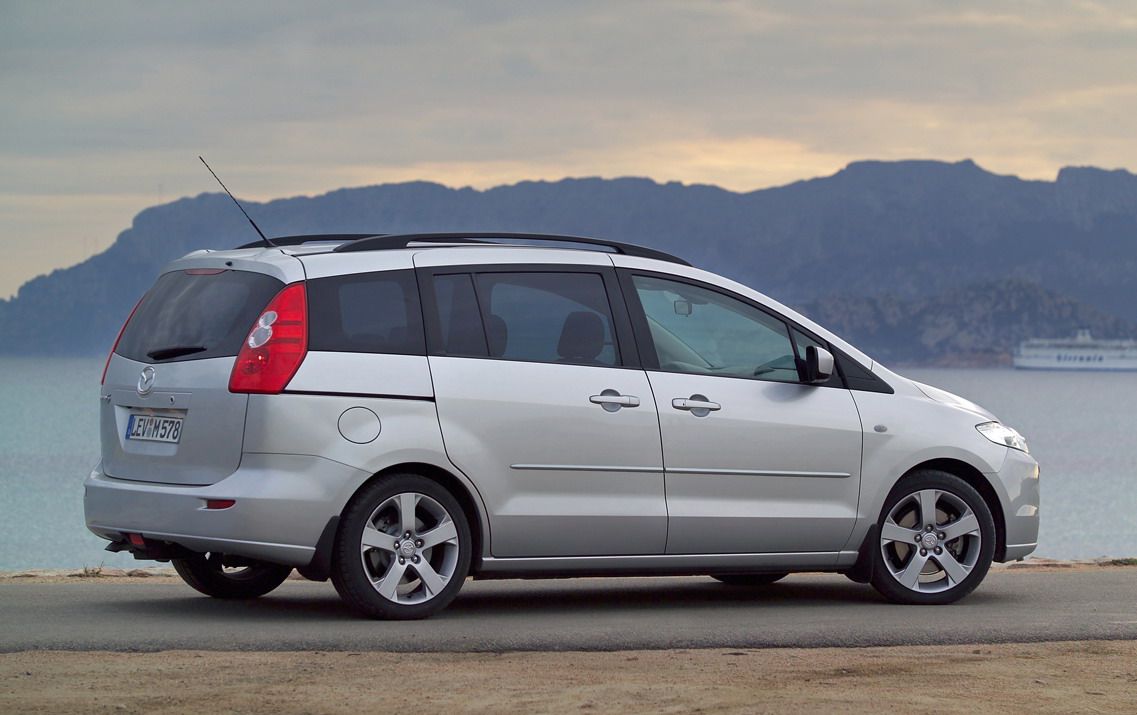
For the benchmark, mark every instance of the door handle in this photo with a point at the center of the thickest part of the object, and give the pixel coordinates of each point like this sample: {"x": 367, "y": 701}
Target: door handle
{"x": 611, "y": 400}
{"x": 697, "y": 405}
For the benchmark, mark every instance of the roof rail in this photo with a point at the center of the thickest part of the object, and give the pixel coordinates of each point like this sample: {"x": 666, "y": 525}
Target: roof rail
{"x": 395, "y": 241}
{"x": 311, "y": 238}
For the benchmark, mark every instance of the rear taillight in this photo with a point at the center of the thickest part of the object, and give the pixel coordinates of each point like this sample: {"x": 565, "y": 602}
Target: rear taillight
{"x": 107, "y": 364}
{"x": 275, "y": 345}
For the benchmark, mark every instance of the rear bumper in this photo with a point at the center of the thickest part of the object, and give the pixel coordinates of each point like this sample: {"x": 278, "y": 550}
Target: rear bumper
{"x": 283, "y": 503}
{"x": 1019, "y": 477}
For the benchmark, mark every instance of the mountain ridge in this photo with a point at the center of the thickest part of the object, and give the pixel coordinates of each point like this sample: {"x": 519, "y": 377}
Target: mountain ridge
{"x": 910, "y": 230}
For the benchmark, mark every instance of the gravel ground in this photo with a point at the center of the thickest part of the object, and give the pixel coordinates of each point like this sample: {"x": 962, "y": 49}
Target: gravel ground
{"x": 1042, "y": 677}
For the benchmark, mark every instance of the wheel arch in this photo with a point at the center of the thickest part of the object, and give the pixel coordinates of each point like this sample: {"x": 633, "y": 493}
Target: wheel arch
{"x": 467, "y": 499}
{"x": 866, "y": 552}
{"x": 981, "y": 484}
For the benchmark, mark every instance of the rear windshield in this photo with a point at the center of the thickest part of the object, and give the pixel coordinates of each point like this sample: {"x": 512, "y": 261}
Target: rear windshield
{"x": 196, "y": 314}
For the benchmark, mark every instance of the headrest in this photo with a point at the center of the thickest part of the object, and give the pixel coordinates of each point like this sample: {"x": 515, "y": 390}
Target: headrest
{"x": 582, "y": 337}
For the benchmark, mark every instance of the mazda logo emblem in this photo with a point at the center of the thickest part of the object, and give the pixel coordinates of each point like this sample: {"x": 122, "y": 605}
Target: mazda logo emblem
{"x": 146, "y": 380}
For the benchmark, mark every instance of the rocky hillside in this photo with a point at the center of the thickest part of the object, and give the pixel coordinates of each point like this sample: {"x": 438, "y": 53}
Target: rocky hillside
{"x": 978, "y": 324}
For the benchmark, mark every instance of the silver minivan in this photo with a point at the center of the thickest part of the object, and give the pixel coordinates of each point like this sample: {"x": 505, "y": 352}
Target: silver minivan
{"x": 401, "y": 412}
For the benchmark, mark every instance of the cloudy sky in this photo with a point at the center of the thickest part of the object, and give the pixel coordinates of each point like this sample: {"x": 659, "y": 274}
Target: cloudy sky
{"x": 107, "y": 104}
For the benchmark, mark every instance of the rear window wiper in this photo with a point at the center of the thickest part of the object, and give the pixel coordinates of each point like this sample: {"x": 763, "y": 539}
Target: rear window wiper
{"x": 175, "y": 351}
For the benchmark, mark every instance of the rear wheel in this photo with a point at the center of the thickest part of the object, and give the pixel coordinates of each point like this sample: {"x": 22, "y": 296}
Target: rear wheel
{"x": 245, "y": 578}
{"x": 937, "y": 540}
{"x": 403, "y": 549}
{"x": 749, "y": 579}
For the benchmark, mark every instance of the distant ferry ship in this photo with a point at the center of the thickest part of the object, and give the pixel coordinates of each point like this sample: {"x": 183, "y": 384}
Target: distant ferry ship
{"x": 1082, "y": 352}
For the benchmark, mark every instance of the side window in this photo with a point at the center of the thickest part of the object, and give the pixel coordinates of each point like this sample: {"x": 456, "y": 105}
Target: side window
{"x": 459, "y": 320}
{"x": 366, "y": 313}
{"x": 548, "y": 317}
{"x": 700, "y": 331}
{"x": 803, "y": 341}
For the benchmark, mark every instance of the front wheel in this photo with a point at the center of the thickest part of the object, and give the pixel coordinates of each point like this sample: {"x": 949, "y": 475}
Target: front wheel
{"x": 403, "y": 549}
{"x": 937, "y": 540}
{"x": 208, "y": 574}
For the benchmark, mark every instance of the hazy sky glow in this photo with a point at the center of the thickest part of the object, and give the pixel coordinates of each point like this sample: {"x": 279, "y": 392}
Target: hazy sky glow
{"x": 107, "y": 104}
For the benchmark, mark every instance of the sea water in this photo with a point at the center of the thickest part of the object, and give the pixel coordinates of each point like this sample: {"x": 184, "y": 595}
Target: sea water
{"x": 1082, "y": 428}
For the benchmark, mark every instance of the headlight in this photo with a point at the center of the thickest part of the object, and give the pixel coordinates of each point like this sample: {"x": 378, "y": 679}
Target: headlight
{"x": 1004, "y": 435}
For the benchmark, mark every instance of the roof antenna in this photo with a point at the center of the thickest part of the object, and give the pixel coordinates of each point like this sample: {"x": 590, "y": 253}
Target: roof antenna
{"x": 253, "y": 223}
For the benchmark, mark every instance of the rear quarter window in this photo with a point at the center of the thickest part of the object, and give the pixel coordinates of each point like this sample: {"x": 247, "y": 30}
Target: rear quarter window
{"x": 366, "y": 313}
{"x": 196, "y": 314}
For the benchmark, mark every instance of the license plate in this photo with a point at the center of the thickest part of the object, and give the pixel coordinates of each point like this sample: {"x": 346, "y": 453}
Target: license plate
{"x": 151, "y": 428}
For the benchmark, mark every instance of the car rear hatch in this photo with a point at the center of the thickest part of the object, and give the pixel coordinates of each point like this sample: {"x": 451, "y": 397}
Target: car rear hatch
{"x": 167, "y": 414}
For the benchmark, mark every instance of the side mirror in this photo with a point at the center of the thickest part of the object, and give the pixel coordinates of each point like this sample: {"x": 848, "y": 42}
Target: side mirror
{"x": 818, "y": 365}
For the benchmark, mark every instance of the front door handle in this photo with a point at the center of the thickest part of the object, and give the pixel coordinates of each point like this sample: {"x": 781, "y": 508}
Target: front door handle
{"x": 611, "y": 400}
{"x": 697, "y": 405}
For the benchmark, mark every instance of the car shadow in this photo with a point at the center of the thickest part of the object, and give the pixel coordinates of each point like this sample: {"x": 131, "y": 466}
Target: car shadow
{"x": 582, "y": 596}
{"x": 649, "y": 594}
{"x": 285, "y": 604}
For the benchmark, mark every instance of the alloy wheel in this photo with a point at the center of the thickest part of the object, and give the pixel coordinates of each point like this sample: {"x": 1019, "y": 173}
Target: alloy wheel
{"x": 931, "y": 541}
{"x": 409, "y": 548}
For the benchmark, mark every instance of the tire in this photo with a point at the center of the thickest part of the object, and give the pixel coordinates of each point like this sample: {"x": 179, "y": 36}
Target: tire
{"x": 749, "y": 579}
{"x": 381, "y": 573}
{"x": 953, "y": 555}
{"x": 205, "y": 573}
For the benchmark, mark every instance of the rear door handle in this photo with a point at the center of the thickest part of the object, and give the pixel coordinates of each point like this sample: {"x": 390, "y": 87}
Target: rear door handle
{"x": 697, "y": 405}
{"x": 611, "y": 400}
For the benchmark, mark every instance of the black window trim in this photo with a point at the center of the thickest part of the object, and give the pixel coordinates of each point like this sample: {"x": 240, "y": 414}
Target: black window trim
{"x": 646, "y": 345}
{"x": 626, "y": 345}
{"x": 431, "y": 316}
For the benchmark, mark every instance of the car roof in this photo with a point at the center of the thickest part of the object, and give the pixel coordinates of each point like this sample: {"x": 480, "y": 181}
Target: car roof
{"x": 355, "y": 242}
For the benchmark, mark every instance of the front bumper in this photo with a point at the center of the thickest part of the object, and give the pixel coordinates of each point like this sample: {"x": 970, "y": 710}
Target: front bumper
{"x": 283, "y": 503}
{"x": 1019, "y": 478}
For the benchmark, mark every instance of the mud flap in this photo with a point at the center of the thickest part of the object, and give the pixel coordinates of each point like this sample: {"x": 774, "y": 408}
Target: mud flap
{"x": 320, "y": 568}
{"x": 866, "y": 559}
